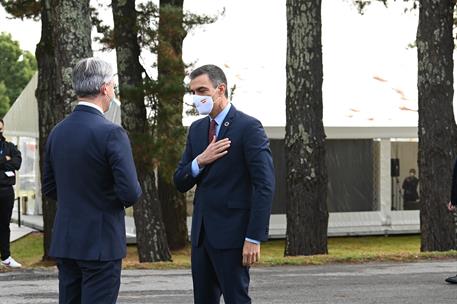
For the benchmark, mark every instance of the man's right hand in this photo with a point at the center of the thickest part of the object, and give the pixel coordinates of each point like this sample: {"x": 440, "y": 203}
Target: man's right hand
{"x": 450, "y": 207}
{"x": 8, "y": 157}
{"x": 214, "y": 151}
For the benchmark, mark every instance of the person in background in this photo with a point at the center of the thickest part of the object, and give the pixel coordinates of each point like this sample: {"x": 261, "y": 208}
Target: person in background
{"x": 452, "y": 207}
{"x": 10, "y": 161}
{"x": 410, "y": 195}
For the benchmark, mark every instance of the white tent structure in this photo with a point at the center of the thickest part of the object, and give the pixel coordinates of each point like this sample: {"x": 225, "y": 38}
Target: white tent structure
{"x": 385, "y": 214}
{"x": 20, "y": 119}
{"x": 21, "y": 127}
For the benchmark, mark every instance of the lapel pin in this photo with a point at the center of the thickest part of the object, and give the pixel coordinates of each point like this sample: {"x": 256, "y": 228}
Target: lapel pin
{"x": 226, "y": 124}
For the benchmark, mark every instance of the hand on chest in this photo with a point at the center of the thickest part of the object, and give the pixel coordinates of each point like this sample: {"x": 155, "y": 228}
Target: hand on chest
{"x": 234, "y": 148}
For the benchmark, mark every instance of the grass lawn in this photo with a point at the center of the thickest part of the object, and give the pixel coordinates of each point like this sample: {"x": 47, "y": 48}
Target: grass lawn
{"x": 29, "y": 252}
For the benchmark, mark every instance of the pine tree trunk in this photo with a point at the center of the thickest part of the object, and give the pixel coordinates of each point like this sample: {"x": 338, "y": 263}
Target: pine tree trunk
{"x": 50, "y": 110}
{"x": 65, "y": 39}
{"x": 71, "y": 30}
{"x": 150, "y": 230}
{"x": 437, "y": 129}
{"x": 174, "y": 212}
{"x": 307, "y": 215}
{"x": 170, "y": 131}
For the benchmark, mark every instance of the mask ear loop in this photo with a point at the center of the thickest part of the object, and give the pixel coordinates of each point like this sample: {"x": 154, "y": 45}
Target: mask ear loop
{"x": 215, "y": 93}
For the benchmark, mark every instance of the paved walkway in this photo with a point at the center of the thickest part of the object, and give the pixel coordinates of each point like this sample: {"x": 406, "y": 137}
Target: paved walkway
{"x": 18, "y": 232}
{"x": 380, "y": 283}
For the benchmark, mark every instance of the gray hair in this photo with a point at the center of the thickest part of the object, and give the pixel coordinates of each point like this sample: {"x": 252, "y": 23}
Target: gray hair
{"x": 89, "y": 75}
{"x": 215, "y": 75}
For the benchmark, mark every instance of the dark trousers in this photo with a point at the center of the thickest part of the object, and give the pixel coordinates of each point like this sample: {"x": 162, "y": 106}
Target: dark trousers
{"x": 88, "y": 282}
{"x": 6, "y": 210}
{"x": 411, "y": 205}
{"x": 219, "y": 271}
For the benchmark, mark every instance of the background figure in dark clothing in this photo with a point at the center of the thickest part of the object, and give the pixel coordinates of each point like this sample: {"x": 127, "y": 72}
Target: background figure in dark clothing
{"x": 452, "y": 207}
{"x": 410, "y": 195}
{"x": 10, "y": 161}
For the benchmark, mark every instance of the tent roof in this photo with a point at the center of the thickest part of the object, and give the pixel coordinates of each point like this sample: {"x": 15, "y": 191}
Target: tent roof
{"x": 22, "y": 118}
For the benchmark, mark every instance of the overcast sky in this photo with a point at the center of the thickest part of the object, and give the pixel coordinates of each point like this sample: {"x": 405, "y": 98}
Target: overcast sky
{"x": 369, "y": 71}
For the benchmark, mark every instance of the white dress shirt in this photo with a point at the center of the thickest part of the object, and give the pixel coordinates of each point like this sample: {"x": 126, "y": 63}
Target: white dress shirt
{"x": 90, "y": 104}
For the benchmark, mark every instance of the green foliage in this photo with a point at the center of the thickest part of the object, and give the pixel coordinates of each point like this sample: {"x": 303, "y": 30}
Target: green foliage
{"x": 23, "y": 8}
{"x": 4, "y": 100}
{"x": 143, "y": 148}
{"x": 107, "y": 35}
{"x": 363, "y": 4}
{"x": 163, "y": 97}
{"x": 16, "y": 70}
{"x": 148, "y": 23}
{"x": 192, "y": 21}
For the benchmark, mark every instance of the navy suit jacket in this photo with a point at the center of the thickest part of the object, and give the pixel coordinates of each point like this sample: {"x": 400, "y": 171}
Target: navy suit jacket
{"x": 234, "y": 194}
{"x": 89, "y": 170}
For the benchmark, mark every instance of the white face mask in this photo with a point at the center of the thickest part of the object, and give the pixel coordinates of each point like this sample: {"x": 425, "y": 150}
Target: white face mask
{"x": 113, "y": 101}
{"x": 204, "y": 104}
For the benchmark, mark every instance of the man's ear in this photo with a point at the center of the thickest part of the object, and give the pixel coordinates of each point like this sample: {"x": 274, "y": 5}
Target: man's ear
{"x": 103, "y": 89}
{"x": 223, "y": 88}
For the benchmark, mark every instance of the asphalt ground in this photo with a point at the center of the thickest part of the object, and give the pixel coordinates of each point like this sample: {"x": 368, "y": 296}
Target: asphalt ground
{"x": 338, "y": 283}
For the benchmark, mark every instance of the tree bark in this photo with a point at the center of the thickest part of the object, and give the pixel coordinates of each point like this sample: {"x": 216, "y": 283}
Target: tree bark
{"x": 65, "y": 39}
{"x": 307, "y": 214}
{"x": 170, "y": 131}
{"x": 50, "y": 111}
{"x": 71, "y": 32}
{"x": 150, "y": 230}
{"x": 437, "y": 129}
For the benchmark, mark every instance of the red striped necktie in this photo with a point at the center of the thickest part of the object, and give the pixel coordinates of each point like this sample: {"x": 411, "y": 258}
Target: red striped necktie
{"x": 212, "y": 130}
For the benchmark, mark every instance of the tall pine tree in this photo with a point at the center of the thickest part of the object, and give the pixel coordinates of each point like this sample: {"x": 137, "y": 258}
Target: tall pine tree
{"x": 171, "y": 133}
{"x": 150, "y": 230}
{"x": 307, "y": 214}
{"x": 437, "y": 128}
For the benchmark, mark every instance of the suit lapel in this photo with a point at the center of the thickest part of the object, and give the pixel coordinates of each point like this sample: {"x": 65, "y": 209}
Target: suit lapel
{"x": 202, "y": 130}
{"x": 227, "y": 122}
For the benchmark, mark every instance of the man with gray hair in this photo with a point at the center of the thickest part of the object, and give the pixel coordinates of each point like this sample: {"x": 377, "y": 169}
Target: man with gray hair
{"x": 89, "y": 170}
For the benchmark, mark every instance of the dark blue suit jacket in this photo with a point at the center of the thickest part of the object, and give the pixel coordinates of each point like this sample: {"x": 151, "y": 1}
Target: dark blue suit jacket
{"x": 89, "y": 170}
{"x": 234, "y": 194}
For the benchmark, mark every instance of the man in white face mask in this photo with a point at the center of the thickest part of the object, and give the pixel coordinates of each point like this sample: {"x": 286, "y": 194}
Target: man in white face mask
{"x": 228, "y": 157}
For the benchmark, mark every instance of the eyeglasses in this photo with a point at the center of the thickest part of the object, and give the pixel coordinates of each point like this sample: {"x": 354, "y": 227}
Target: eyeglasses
{"x": 113, "y": 84}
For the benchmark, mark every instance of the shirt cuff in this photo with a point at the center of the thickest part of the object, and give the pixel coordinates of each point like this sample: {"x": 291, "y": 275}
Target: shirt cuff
{"x": 195, "y": 168}
{"x": 252, "y": 241}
